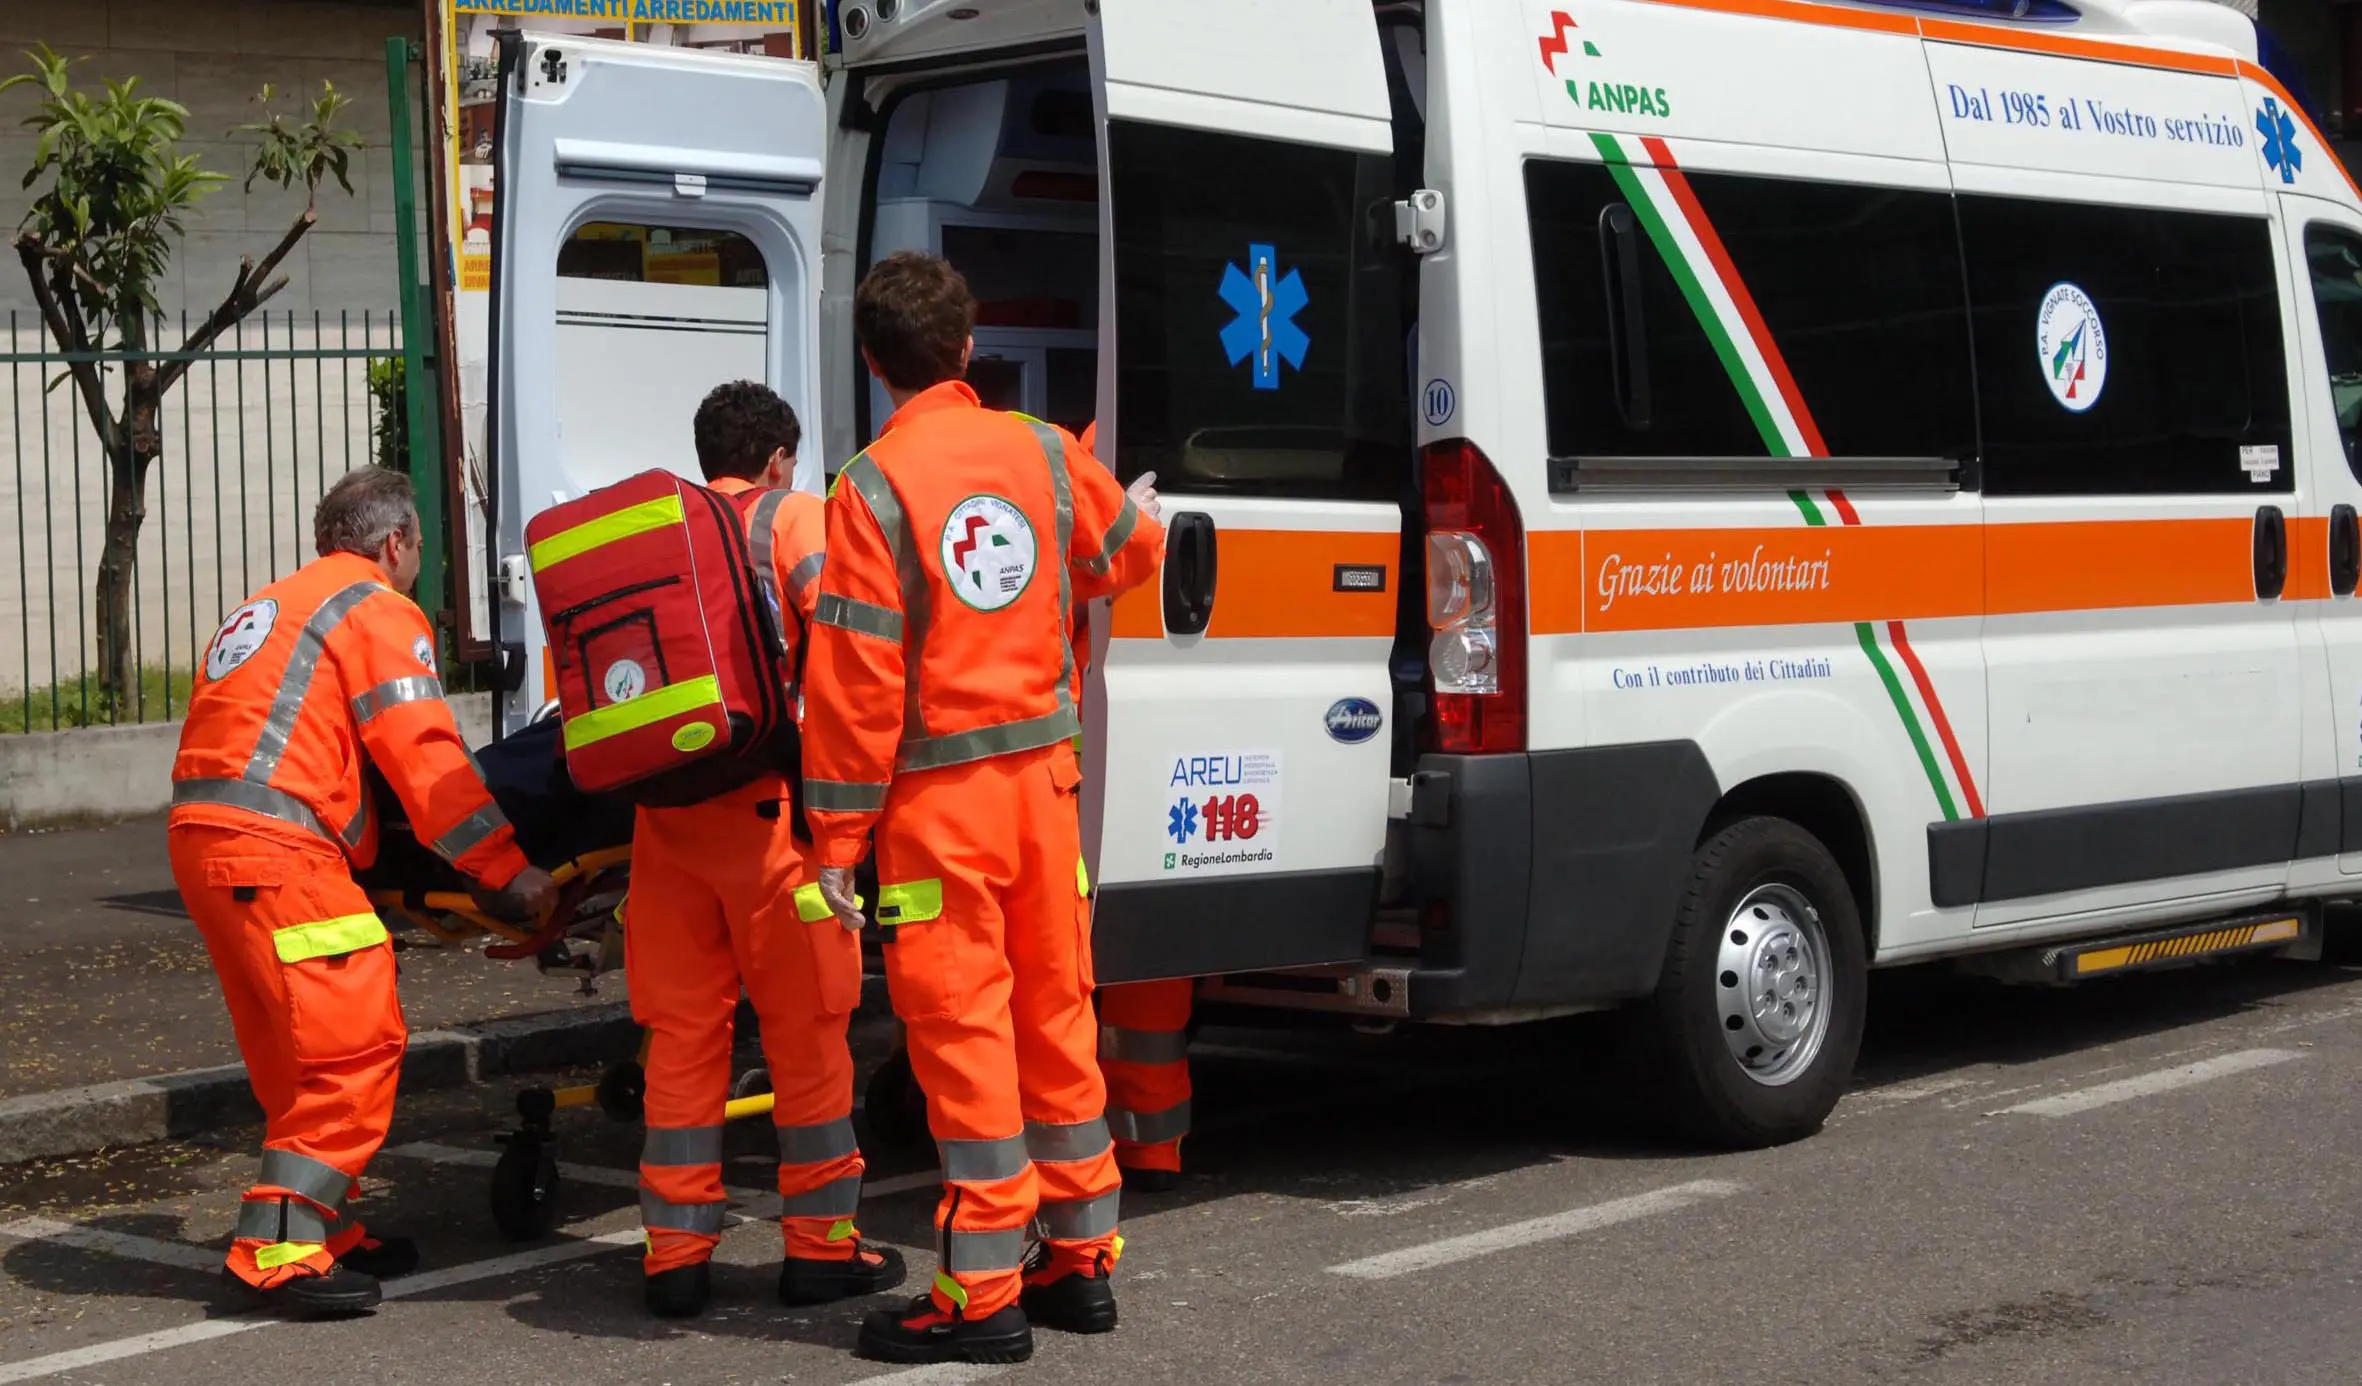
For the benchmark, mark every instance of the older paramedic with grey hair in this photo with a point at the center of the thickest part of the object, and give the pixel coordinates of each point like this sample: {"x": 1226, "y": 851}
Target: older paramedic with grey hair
{"x": 319, "y": 672}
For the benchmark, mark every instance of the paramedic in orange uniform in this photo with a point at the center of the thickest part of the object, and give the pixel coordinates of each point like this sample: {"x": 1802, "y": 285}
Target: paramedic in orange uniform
{"x": 939, "y": 713}
{"x": 721, "y": 898}
{"x": 1143, "y": 1043}
{"x": 321, "y": 671}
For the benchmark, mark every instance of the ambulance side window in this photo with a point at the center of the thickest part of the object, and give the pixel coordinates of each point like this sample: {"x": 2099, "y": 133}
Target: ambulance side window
{"x": 2336, "y": 259}
{"x": 2125, "y": 350}
{"x": 1647, "y": 352}
{"x": 1259, "y": 339}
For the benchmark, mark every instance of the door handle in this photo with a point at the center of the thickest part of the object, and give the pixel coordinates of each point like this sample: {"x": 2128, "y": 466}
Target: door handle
{"x": 1189, "y": 573}
{"x": 2271, "y": 553}
{"x": 2345, "y": 551}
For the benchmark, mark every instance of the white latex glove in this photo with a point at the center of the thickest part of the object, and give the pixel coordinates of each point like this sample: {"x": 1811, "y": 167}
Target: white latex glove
{"x": 1143, "y": 494}
{"x": 836, "y": 887}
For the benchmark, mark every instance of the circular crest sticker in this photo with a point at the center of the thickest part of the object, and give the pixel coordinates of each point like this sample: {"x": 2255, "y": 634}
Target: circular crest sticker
{"x": 988, "y": 551}
{"x": 2073, "y": 347}
{"x": 239, "y": 637}
{"x": 624, "y": 681}
{"x": 423, "y": 650}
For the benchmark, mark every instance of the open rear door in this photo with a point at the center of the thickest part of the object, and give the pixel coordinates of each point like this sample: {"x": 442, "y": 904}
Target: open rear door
{"x": 1252, "y": 355}
{"x": 658, "y": 233}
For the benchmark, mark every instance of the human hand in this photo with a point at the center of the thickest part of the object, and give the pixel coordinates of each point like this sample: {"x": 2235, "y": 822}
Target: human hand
{"x": 530, "y": 896}
{"x": 836, "y": 887}
{"x": 1143, "y": 494}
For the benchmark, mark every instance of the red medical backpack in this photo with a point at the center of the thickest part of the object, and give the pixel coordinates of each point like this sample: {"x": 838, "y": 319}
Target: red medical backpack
{"x": 672, "y": 682}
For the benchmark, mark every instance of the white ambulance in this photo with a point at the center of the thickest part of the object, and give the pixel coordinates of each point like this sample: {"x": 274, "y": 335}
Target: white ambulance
{"x": 1672, "y": 503}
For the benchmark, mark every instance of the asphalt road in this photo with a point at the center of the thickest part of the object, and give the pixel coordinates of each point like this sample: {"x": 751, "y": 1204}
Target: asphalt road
{"x": 2148, "y": 1181}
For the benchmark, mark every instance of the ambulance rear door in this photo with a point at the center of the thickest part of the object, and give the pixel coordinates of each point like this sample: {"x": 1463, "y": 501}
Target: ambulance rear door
{"x": 1252, "y": 354}
{"x": 658, "y": 233}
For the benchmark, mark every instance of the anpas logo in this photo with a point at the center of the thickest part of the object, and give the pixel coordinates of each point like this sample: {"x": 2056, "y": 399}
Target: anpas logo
{"x": 1353, "y": 720}
{"x": 988, "y": 551}
{"x": 2072, "y": 346}
{"x": 239, "y": 638}
{"x": 1593, "y": 90}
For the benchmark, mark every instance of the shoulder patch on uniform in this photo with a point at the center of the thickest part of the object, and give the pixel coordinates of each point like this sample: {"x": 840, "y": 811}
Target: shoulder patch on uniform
{"x": 988, "y": 551}
{"x": 423, "y": 650}
{"x": 245, "y": 632}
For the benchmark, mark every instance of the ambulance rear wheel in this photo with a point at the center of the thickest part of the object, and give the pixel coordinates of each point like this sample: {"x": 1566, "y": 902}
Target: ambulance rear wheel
{"x": 1753, "y": 1030}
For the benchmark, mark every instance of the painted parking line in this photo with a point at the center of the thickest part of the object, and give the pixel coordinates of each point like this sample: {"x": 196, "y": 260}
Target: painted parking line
{"x": 130, "y": 1246}
{"x": 435, "y": 1153}
{"x": 938, "y": 1374}
{"x": 2151, "y": 1084}
{"x": 1573, "y": 1222}
{"x": 427, "y": 1282}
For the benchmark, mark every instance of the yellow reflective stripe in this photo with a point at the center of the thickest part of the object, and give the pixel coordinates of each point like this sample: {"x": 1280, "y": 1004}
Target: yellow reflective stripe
{"x": 1082, "y": 879}
{"x": 950, "y": 1289}
{"x": 605, "y": 530}
{"x": 649, "y": 708}
{"x": 278, "y": 1254}
{"x": 912, "y": 903}
{"x": 840, "y": 1229}
{"x": 811, "y": 905}
{"x": 328, "y": 937}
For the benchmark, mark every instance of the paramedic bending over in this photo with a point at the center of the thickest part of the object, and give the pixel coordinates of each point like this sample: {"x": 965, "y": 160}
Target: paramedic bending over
{"x": 320, "y": 671}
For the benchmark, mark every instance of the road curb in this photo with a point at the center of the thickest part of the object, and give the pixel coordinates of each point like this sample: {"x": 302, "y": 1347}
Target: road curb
{"x": 135, "y": 1111}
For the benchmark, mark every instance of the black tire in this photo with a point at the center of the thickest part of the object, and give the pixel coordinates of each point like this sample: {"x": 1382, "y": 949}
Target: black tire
{"x": 894, "y": 1107}
{"x": 525, "y": 1190}
{"x": 1699, "y": 1082}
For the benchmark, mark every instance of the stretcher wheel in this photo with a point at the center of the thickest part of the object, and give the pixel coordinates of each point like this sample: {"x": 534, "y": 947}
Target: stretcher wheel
{"x": 895, "y": 1105}
{"x": 623, "y": 1091}
{"x": 525, "y": 1188}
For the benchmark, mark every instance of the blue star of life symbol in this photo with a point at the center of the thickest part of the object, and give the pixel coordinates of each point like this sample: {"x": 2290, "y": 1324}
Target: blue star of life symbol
{"x": 1182, "y": 823}
{"x": 2279, "y": 132}
{"x": 1266, "y": 304}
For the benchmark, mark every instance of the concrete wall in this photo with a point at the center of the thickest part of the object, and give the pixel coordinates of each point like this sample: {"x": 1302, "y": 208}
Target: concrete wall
{"x": 212, "y": 56}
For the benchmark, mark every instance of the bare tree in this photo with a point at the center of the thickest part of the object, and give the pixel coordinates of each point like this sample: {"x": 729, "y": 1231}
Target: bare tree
{"x": 98, "y": 240}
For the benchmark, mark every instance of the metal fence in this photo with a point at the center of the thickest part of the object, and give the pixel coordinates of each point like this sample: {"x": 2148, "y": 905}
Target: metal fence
{"x": 253, "y": 434}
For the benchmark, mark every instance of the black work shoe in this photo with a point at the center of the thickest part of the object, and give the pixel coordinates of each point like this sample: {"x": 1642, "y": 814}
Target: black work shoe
{"x": 1152, "y": 1181}
{"x": 870, "y": 1270}
{"x": 1076, "y": 1303}
{"x": 339, "y": 1293}
{"x": 681, "y": 1292}
{"x": 382, "y": 1257}
{"x": 924, "y": 1333}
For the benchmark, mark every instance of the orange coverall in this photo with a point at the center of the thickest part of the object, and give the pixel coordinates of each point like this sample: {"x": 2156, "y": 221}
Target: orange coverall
{"x": 939, "y": 711}
{"x": 1143, "y": 1037}
{"x": 721, "y": 898}
{"x": 320, "y": 669}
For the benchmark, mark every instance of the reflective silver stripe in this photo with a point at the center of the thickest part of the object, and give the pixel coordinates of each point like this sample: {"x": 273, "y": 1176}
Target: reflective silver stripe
{"x": 982, "y": 1162}
{"x": 672, "y": 1146}
{"x": 280, "y": 1220}
{"x": 837, "y": 796}
{"x": 357, "y": 831}
{"x": 809, "y": 1145}
{"x": 838, "y": 1198}
{"x": 1143, "y": 1046}
{"x": 894, "y": 523}
{"x": 1059, "y": 1143}
{"x": 322, "y": 1183}
{"x": 1080, "y": 1222}
{"x": 1062, "y": 506}
{"x": 657, "y": 1215}
{"x": 959, "y": 748}
{"x": 296, "y": 683}
{"x": 393, "y": 693}
{"x": 1150, "y": 1128}
{"x": 1118, "y": 534}
{"x": 471, "y": 832}
{"x": 254, "y": 798}
{"x": 803, "y": 575}
{"x": 758, "y": 542}
{"x": 861, "y": 618}
{"x": 982, "y": 1251}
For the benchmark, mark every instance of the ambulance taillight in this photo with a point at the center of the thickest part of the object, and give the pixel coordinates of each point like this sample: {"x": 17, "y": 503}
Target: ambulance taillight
{"x": 1475, "y": 604}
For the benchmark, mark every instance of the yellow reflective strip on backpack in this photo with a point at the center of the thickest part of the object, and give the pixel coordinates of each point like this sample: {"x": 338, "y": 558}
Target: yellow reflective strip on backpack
{"x": 279, "y": 1254}
{"x": 649, "y": 708}
{"x": 605, "y": 530}
{"x": 1082, "y": 879}
{"x": 328, "y": 937}
{"x": 951, "y": 1289}
{"x": 911, "y": 903}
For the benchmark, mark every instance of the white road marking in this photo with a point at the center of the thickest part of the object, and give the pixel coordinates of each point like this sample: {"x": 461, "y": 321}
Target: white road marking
{"x": 77, "y": 1359}
{"x": 2150, "y": 1084}
{"x": 1918, "y": 1088}
{"x": 938, "y": 1374}
{"x": 154, "y": 1250}
{"x": 1411, "y": 1260}
{"x": 435, "y": 1153}
{"x": 902, "y": 1183}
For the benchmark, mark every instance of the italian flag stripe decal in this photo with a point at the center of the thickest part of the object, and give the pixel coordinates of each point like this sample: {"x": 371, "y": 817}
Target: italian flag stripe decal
{"x": 1666, "y": 205}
